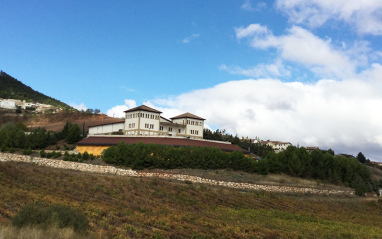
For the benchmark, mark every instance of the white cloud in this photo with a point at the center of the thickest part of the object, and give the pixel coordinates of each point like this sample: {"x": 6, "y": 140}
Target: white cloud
{"x": 276, "y": 69}
{"x": 117, "y": 111}
{"x": 248, "y": 6}
{"x": 365, "y": 16}
{"x": 304, "y": 48}
{"x": 342, "y": 115}
{"x": 190, "y": 38}
{"x": 251, "y": 30}
{"x": 81, "y": 106}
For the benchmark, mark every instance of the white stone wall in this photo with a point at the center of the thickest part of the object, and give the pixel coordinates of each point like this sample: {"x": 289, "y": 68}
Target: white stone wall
{"x": 54, "y": 163}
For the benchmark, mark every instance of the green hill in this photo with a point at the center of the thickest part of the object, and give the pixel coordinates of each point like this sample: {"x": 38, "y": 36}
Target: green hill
{"x": 11, "y": 88}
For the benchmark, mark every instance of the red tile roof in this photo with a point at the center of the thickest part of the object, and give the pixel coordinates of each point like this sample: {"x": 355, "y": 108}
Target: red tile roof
{"x": 145, "y": 108}
{"x": 176, "y": 142}
{"x": 188, "y": 115}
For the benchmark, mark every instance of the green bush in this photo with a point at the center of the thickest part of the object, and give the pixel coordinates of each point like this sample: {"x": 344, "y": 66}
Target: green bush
{"x": 42, "y": 154}
{"x": 50, "y": 154}
{"x": 12, "y": 150}
{"x": 85, "y": 155}
{"x": 57, "y": 155}
{"x": 27, "y": 151}
{"x": 43, "y": 216}
{"x": 92, "y": 157}
{"x": 4, "y": 148}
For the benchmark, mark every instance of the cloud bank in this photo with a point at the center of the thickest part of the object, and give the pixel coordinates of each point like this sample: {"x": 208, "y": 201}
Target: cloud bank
{"x": 342, "y": 115}
{"x": 364, "y": 16}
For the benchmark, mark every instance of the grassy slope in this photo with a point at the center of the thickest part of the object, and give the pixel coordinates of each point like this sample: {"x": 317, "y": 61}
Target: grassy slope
{"x": 120, "y": 207}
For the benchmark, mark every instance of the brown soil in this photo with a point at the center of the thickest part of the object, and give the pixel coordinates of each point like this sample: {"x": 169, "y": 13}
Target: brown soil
{"x": 56, "y": 122}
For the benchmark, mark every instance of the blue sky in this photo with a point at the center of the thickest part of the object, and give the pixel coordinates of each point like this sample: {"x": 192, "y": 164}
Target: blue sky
{"x": 307, "y": 72}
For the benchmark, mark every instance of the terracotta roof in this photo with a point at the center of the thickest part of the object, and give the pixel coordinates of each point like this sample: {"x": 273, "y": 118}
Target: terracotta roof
{"x": 176, "y": 142}
{"x": 166, "y": 119}
{"x": 143, "y": 107}
{"x": 116, "y": 122}
{"x": 188, "y": 115}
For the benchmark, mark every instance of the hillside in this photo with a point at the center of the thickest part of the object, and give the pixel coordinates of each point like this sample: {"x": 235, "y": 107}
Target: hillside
{"x": 128, "y": 207}
{"x": 11, "y": 88}
{"x": 55, "y": 122}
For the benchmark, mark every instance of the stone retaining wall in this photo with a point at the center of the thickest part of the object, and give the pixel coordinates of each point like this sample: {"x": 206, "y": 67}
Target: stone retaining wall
{"x": 54, "y": 163}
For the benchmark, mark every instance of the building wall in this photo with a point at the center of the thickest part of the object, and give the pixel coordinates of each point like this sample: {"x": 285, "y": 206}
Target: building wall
{"x": 106, "y": 129}
{"x": 194, "y": 127}
{"x": 144, "y": 122}
{"x": 7, "y": 104}
{"x": 91, "y": 149}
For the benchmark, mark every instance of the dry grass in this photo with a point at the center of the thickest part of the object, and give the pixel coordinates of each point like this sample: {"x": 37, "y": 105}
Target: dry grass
{"x": 270, "y": 179}
{"x": 123, "y": 207}
{"x": 10, "y": 232}
{"x": 376, "y": 174}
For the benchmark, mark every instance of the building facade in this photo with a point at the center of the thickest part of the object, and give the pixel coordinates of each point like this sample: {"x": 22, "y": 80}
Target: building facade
{"x": 146, "y": 121}
{"x": 277, "y": 146}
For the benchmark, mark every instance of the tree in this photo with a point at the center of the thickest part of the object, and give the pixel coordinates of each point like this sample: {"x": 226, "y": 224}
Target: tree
{"x": 74, "y": 134}
{"x": 361, "y": 158}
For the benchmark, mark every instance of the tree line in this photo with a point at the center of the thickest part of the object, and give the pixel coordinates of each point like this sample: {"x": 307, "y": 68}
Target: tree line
{"x": 294, "y": 161}
{"x": 18, "y": 136}
{"x": 256, "y": 148}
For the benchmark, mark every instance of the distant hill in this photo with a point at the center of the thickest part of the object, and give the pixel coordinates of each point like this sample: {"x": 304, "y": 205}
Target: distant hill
{"x": 11, "y": 88}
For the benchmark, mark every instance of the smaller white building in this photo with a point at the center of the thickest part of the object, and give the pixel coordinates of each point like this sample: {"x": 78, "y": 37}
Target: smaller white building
{"x": 7, "y": 104}
{"x": 277, "y": 146}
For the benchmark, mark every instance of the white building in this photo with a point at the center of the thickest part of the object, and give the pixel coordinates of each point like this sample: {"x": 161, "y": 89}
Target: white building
{"x": 7, "y": 104}
{"x": 146, "y": 121}
{"x": 277, "y": 145}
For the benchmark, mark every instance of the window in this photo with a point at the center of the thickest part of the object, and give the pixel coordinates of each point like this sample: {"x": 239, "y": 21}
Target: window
{"x": 161, "y": 128}
{"x": 188, "y": 121}
{"x": 151, "y": 126}
{"x": 142, "y": 115}
{"x": 146, "y": 126}
{"x": 179, "y": 131}
{"x": 169, "y": 129}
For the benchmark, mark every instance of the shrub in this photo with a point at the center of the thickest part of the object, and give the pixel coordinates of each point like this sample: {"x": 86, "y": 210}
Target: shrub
{"x": 43, "y": 216}
{"x": 57, "y": 147}
{"x": 42, "y": 154}
{"x": 50, "y": 154}
{"x": 12, "y": 150}
{"x": 27, "y": 151}
{"x": 57, "y": 155}
{"x": 92, "y": 157}
{"x": 85, "y": 155}
{"x": 4, "y": 148}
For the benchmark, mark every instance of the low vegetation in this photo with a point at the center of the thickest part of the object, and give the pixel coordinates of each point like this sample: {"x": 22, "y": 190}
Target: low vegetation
{"x": 123, "y": 207}
{"x": 18, "y": 136}
{"x": 294, "y": 161}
